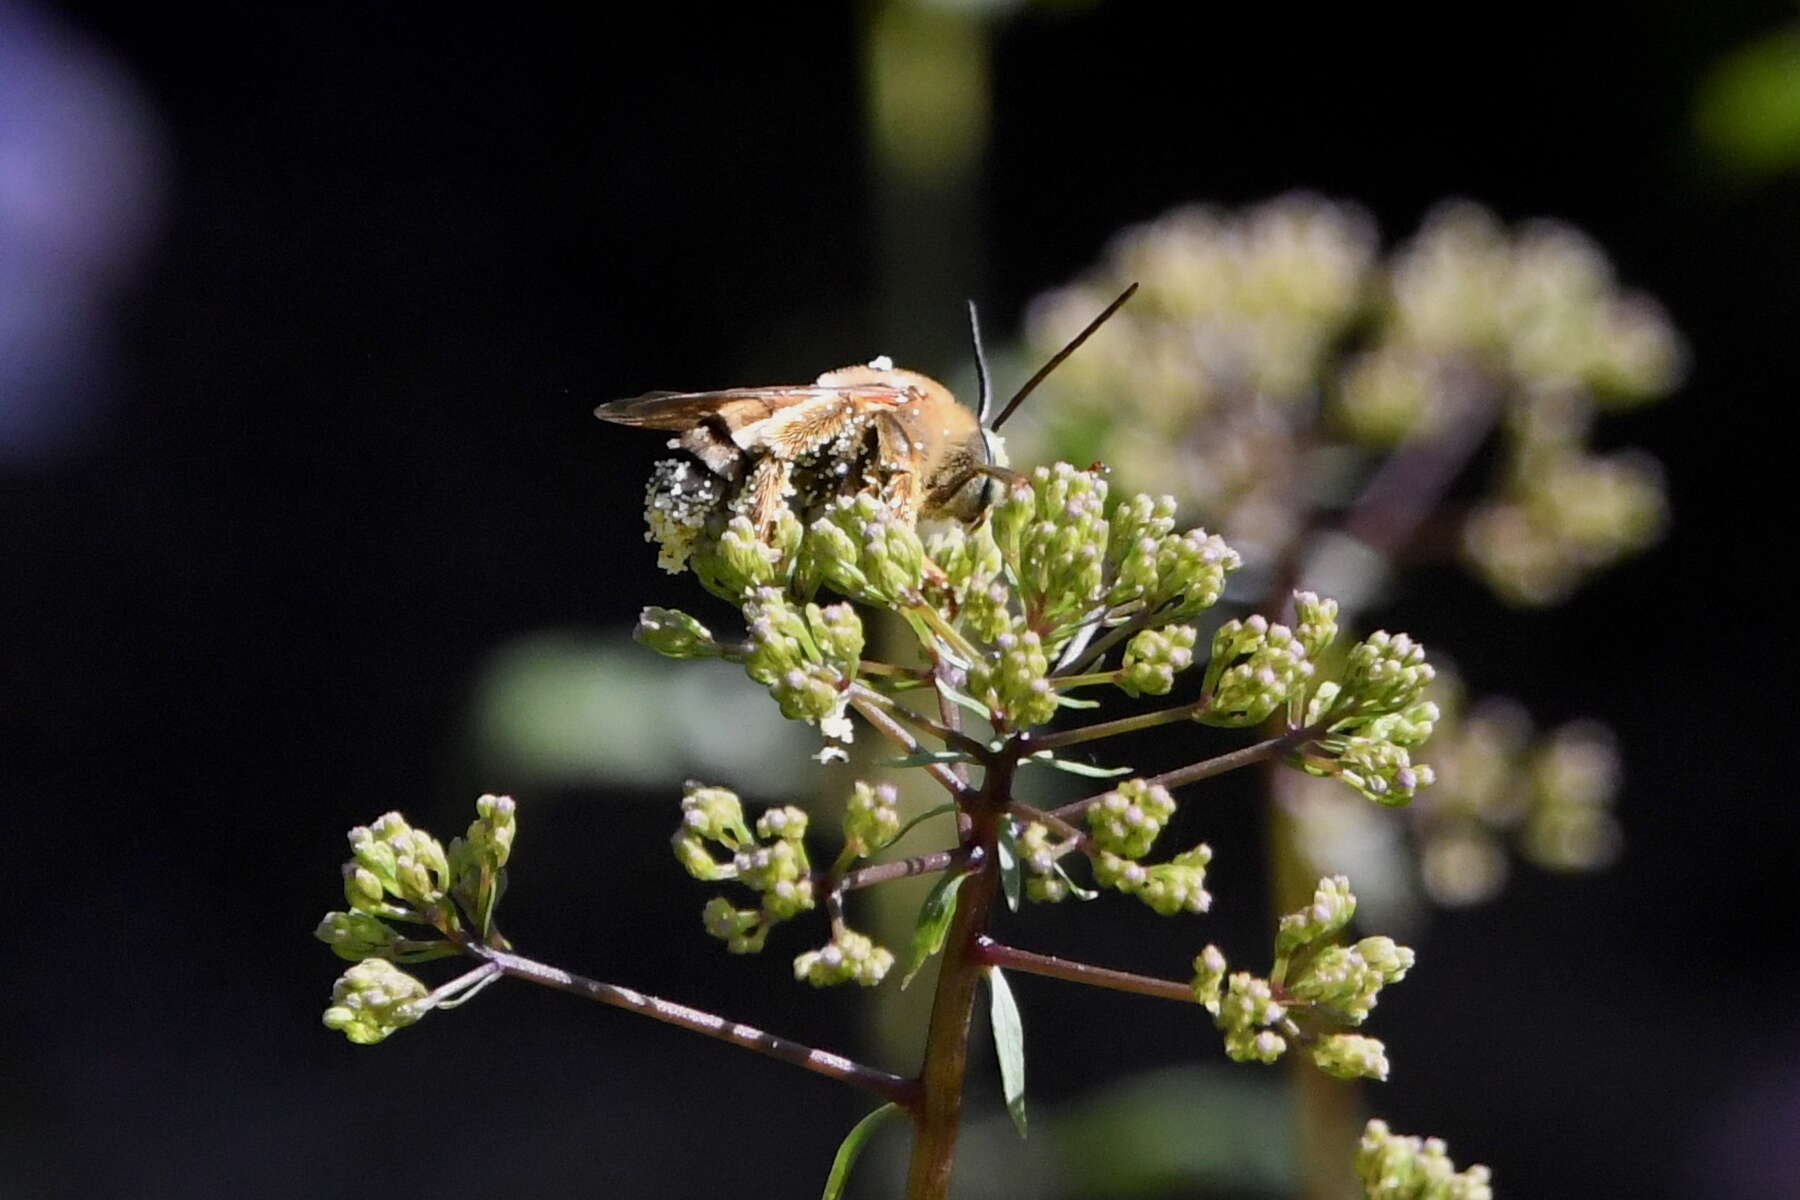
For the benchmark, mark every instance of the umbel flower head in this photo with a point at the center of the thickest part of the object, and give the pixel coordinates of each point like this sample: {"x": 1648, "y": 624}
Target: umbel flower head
{"x": 1263, "y": 335}
{"x": 1004, "y": 604}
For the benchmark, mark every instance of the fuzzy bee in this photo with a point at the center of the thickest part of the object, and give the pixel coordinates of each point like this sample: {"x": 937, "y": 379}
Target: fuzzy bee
{"x": 759, "y": 450}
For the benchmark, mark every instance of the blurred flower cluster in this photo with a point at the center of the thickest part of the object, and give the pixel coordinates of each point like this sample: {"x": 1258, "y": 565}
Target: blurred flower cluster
{"x": 1274, "y": 355}
{"x": 1316, "y": 398}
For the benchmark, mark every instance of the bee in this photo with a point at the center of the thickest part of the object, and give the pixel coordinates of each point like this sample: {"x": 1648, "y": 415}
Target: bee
{"x": 897, "y": 434}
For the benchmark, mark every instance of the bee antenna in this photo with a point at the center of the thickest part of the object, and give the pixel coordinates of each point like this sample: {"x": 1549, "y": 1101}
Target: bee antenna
{"x": 1057, "y": 358}
{"x": 985, "y": 403}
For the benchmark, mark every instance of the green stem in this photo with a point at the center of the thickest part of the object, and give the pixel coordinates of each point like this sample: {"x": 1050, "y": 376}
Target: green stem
{"x": 1106, "y": 729}
{"x": 1095, "y": 679}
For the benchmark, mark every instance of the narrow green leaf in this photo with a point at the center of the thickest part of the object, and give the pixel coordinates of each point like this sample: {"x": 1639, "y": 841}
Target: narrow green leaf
{"x": 1067, "y": 701}
{"x": 948, "y": 806}
{"x": 924, "y": 758}
{"x": 1012, "y": 880}
{"x": 963, "y": 701}
{"x": 1009, "y": 1045}
{"x": 933, "y": 924}
{"x": 1075, "y": 889}
{"x": 852, "y": 1146}
{"x": 1044, "y": 758}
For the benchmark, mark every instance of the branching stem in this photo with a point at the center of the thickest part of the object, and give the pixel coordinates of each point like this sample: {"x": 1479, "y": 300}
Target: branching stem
{"x": 1205, "y": 769}
{"x": 997, "y": 954}
{"x": 904, "y": 1092}
{"x": 863, "y": 701}
{"x": 1106, "y": 729}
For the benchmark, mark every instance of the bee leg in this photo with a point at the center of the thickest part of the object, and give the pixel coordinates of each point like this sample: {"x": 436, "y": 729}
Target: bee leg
{"x": 894, "y": 456}
{"x": 765, "y": 492}
{"x": 718, "y": 452}
{"x": 1005, "y": 475}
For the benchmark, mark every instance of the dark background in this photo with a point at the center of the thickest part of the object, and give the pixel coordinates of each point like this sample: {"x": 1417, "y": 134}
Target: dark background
{"x": 322, "y": 443}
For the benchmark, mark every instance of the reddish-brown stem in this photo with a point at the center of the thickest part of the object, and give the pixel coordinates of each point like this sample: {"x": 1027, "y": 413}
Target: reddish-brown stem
{"x": 904, "y": 1092}
{"x": 1195, "y": 772}
{"x": 939, "y": 1113}
{"x": 996, "y": 954}
{"x": 876, "y": 715}
{"x": 919, "y": 864}
{"x": 1028, "y": 814}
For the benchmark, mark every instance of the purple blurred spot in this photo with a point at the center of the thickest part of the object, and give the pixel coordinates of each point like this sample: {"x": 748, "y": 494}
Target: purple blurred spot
{"x": 81, "y": 175}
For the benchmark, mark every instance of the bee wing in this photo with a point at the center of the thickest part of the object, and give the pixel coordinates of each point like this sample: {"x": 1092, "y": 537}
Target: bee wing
{"x": 787, "y": 420}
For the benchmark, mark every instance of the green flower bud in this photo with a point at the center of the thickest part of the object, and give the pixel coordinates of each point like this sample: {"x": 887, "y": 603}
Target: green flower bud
{"x": 871, "y": 817}
{"x": 1385, "y": 673}
{"x": 1381, "y": 771}
{"x": 1248, "y": 1003}
{"x": 1315, "y": 623}
{"x": 1332, "y": 907}
{"x": 786, "y": 823}
{"x": 987, "y": 611}
{"x": 1059, "y": 554}
{"x": 1135, "y": 520}
{"x": 1153, "y": 657}
{"x": 762, "y": 868}
{"x": 848, "y": 957}
{"x": 1040, "y": 858}
{"x": 1191, "y": 569}
{"x": 1254, "y": 1045}
{"x": 1178, "y": 885}
{"x": 740, "y": 563}
{"x": 1383, "y": 955}
{"x": 1127, "y": 820}
{"x": 1351, "y": 1056}
{"x": 671, "y": 632}
{"x": 372, "y": 999}
{"x": 1209, "y": 978}
{"x": 1341, "y": 979}
{"x": 1396, "y": 1167}
{"x": 716, "y": 814}
{"x": 863, "y": 552}
{"x": 743, "y": 930}
{"x": 357, "y": 935}
{"x": 692, "y": 853}
{"x": 391, "y": 857}
{"x": 806, "y": 657}
{"x": 1255, "y": 667}
{"x": 1013, "y": 682}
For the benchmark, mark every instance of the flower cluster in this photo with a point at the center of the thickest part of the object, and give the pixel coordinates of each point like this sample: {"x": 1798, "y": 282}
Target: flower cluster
{"x": 806, "y": 656}
{"x": 397, "y": 873}
{"x": 999, "y": 605}
{"x": 373, "y": 999}
{"x": 772, "y": 862}
{"x": 1255, "y": 667}
{"x": 1040, "y": 858}
{"x": 1393, "y": 1166}
{"x": 1231, "y": 366}
{"x": 1372, "y": 718}
{"x": 849, "y": 957}
{"x": 1499, "y": 781}
{"x": 1316, "y": 989}
{"x": 871, "y": 818}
